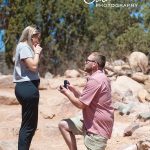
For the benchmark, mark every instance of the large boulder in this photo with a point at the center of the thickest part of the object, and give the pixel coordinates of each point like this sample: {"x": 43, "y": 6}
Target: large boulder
{"x": 140, "y": 77}
{"x": 7, "y": 98}
{"x": 72, "y": 73}
{"x": 124, "y": 84}
{"x": 142, "y": 94}
{"x": 6, "y": 81}
{"x": 138, "y": 60}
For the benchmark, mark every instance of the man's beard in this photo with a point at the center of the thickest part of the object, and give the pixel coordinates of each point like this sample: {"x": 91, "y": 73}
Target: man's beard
{"x": 88, "y": 70}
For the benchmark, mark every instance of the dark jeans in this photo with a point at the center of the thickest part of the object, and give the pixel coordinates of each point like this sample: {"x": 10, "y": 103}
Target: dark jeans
{"x": 27, "y": 94}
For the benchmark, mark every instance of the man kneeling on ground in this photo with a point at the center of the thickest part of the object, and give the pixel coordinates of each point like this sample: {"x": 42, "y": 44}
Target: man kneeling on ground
{"x": 95, "y": 101}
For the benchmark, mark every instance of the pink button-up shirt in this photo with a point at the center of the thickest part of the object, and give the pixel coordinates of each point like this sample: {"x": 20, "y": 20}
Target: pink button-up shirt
{"x": 99, "y": 114}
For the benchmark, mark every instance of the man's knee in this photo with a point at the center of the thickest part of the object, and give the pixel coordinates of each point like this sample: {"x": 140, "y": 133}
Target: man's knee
{"x": 63, "y": 125}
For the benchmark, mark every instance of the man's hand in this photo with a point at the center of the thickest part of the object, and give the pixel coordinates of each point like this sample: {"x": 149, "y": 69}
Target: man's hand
{"x": 73, "y": 99}
{"x": 63, "y": 90}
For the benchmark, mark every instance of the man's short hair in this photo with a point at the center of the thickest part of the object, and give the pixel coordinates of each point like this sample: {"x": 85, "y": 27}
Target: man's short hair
{"x": 100, "y": 59}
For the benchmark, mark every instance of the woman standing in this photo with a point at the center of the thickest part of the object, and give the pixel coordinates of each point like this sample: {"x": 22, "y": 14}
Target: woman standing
{"x": 27, "y": 79}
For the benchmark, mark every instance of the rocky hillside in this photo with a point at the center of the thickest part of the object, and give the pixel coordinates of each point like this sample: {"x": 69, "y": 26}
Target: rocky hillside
{"x": 131, "y": 98}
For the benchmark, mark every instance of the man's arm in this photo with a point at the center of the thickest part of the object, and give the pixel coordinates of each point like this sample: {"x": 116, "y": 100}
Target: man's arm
{"x": 74, "y": 100}
{"x": 75, "y": 91}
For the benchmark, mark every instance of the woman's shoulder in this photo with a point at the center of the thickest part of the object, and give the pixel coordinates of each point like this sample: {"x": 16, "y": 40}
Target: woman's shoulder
{"x": 23, "y": 45}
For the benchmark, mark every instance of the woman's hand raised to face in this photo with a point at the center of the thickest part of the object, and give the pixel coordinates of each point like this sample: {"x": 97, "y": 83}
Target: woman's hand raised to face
{"x": 37, "y": 49}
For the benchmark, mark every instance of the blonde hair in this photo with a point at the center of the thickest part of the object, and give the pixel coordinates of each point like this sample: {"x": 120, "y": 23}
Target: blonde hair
{"x": 27, "y": 34}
